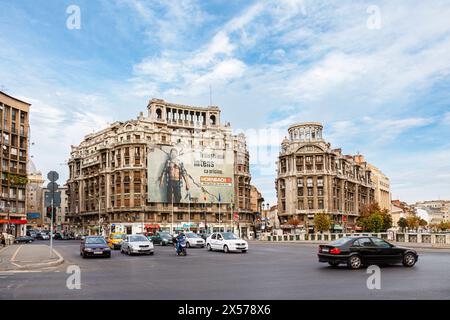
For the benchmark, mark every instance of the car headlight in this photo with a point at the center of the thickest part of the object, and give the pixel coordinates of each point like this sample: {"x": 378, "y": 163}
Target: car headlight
{"x": 87, "y": 249}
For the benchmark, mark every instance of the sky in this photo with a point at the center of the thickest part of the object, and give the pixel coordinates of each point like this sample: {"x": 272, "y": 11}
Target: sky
{"x": 375, "y": 73}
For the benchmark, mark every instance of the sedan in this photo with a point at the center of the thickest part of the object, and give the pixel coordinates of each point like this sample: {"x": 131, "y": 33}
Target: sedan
{"x": 42, "y": 236}
{"x": 226, "y": 242}
{"x": 358, "y": 251}
{"x": 162, "y": 238}
{"x": 194, "y": 240}
{"x": 24, "y": 239}
{"x": 93, "y": 246}
{"x": 136, "y": 243}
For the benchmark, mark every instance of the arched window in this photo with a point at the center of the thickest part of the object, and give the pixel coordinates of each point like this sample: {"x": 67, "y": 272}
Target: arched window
{"x": 158, "y": 114}
{"x": 212, "y": 120}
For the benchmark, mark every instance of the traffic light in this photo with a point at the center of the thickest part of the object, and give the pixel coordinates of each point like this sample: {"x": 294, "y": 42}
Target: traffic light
{"x": 49, "y": 213}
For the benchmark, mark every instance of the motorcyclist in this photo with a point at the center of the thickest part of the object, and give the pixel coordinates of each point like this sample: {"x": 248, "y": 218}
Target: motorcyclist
{"x": 180, "y": 240}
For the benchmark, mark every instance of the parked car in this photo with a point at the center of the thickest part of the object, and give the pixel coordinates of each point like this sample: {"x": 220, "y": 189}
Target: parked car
{"x": 61, "y": 236}
{"x": 115, "y": 240}
{"x": 162, "y": 238}
{"x": 205, "y": 236}
{"x": 24, "y": 239}
{"x": 226, "y": 241}
{"x": 194, "y": 240}
{"x": 358, "y": 251}
{"x": 42, "y": 236}
{"x": 93, "y": 246}
{"x": 136, "y": 243}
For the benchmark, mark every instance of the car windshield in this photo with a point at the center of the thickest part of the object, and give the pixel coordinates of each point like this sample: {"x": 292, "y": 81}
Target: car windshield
{"x": 191, "y": 235}
{"x": 164, "y": 235}
{"x": 117, "y": 236}
{"x": 340, "y": 242}
{"x": 138, "y": 238}
{"x": 95, "y": 240}
{"x": 229, "y": 236}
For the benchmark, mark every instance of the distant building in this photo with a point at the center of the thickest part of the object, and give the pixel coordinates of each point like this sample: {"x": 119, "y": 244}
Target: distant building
{"x": 399, "y": 210}
{"x": 35, "y": 217}
{"x": 61, "y": 223}
{"x": 314, "y": 178}
{"x": 438, "y": 210}
{"x": 382, "y": 188}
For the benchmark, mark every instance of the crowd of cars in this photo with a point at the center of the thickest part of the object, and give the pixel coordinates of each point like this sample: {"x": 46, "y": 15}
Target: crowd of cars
{"x": 144, "y": 244}
{"x": 32, "y": 235}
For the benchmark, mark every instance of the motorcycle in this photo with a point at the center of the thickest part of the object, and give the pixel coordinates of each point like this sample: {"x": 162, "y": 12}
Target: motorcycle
{"x": 180, "y": 247}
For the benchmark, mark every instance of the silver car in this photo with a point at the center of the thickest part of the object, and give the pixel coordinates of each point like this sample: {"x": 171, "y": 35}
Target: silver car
{"x": 194, "y": 240}
{"x": 137, "y": 243}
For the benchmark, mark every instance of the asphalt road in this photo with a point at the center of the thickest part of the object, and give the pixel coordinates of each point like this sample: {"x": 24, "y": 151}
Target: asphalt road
{"x": 268, "y": 271}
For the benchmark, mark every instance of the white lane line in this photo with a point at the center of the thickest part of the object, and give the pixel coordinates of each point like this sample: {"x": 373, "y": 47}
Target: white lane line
{"x": 13, "y": 258}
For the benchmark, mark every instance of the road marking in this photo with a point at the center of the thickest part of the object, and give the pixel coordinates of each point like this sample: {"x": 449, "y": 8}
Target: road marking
{"x": 13, "y": 258}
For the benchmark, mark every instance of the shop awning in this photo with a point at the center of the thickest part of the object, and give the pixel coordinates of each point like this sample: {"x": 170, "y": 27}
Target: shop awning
{"x": 13, "y": 221}
{"x": 152, "y": 226}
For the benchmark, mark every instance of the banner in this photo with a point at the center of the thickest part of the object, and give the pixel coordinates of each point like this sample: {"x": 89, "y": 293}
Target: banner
{"x": 184, "y": 174}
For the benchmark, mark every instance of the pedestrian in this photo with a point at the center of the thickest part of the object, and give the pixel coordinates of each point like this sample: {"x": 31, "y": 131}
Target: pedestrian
{"x": 2, "y": 239}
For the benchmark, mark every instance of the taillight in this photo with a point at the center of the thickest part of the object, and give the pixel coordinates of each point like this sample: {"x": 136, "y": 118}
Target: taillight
{"x": 335, "y": 251}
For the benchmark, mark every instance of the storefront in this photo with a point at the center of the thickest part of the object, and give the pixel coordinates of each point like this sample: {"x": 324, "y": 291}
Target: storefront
{"x": 17, "y": 227}
{"x": 151, "y": 229}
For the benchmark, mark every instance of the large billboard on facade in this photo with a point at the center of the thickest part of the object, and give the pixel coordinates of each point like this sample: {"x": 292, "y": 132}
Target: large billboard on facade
{"x": 176, "y": 173}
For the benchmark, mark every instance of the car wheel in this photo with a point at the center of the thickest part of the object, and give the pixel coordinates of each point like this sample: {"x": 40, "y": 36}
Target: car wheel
{"x": 409, "y": 260}
{"x": 225, "y": 249}
{"x": 354, "y": 262}
{"x": 333, "y": 263}
{"x": 244, "y": 251}
{"x": 109, "y": 255}
{"x": 208, "y": 247}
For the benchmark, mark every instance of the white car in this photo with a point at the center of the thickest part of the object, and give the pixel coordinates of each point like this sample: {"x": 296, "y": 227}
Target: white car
{"x": 137, "y": 243}
{"x": 194, "y": 240}
{"x": 226, "y": 241}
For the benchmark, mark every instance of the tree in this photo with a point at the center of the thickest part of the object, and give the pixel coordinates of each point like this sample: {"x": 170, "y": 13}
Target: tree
{"x": 413, "y": 222}
{"x": 370, "y": 216}
{"x": 322, "y": 222}
{"x": 443, "y": 226}
{"x": 402, "y": 223}
{"x": 375, "y": 222}
{"x": 423, "y": 223}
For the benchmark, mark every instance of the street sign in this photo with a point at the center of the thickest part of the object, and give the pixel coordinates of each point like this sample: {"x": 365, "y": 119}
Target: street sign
{"x": 53, "y": 176}
{"x": 52, "y": 186}
{"x": 56, "y": 199}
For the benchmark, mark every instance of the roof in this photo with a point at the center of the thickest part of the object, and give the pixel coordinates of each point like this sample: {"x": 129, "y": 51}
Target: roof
{"x": 11, "y": 97}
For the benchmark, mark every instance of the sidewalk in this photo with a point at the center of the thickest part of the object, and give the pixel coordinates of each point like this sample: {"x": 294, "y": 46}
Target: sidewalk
{"x": 28, "y": 257}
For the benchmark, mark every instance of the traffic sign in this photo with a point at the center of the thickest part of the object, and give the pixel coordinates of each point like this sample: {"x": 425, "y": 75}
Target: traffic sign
{"x": 53, "y": 176}
{"x": 52, "y": 186}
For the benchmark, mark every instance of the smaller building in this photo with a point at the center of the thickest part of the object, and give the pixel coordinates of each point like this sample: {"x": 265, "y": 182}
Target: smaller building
{"x": 35, "y": 218}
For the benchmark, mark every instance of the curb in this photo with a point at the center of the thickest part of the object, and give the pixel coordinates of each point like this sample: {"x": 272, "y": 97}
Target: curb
{"x": 43, "y": 264}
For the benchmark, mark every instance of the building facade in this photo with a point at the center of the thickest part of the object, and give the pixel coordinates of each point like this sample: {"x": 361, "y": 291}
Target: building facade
{"x": 382, "y": 186}
{"x": 14, "y": 127}
{"x": 437, "y": 210}
{"x": 108, "y": 172}
{"x": 313, "y": 178}
{"x": 35, "y": 211}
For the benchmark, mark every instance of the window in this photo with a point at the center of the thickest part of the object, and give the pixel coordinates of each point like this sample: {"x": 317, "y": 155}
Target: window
{"x": 309, "y": 182}
{"x": 300, "y": 182}
{"x": 310, "y": 204}
{"x": 320, "y": 203}
{"x": 310, "y": 192}
{"x": 380, "y": 243}
{"x": 300, "y": 204}
{"x": 179, "y": 216}
{"x": 363, "y": 242}
{"x": 320, "y": 192}
{"x": 300, "y": 191}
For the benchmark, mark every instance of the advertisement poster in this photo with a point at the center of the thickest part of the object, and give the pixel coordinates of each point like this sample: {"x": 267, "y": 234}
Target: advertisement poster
{"x": 177, "y": 173}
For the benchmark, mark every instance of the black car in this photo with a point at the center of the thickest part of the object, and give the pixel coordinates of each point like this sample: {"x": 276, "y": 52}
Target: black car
{"x": 24, "y": 239}
{"x": 94, "y": 246}
{"x": 358, "y": 251}
{"x": 162, "y": 238}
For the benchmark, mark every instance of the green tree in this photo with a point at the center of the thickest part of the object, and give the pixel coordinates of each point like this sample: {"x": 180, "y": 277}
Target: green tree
{"x": 402, "y": 223}
{"x": 322, "y": 222}
{"x": 413, "y": 222}
{"x": 369, "y": 218}
{"x": 423, "y": 223}
{"x": 375, "y": 222}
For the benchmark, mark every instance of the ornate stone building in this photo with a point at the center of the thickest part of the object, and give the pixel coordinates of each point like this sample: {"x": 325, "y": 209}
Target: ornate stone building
{"x": 108, "y": 173}
{"x": 313, "y": 178}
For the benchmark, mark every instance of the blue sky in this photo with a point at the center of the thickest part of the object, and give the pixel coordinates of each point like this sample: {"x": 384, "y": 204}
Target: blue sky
{"x": 382, "y": 92}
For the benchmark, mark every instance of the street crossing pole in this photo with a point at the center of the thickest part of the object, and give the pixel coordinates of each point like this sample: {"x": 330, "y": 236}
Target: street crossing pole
{"x": 51, "y": 228}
